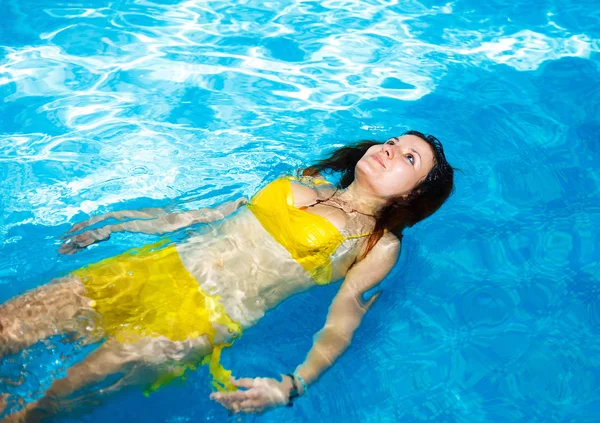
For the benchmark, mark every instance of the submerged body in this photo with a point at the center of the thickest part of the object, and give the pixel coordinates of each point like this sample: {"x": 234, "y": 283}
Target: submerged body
{"x": 165, "y": 308}
{"x": 216, "y": 256}
{"x": 128, "y": 296}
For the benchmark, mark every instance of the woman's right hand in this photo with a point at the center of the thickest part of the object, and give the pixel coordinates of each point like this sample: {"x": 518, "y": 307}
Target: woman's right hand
{"x": 75, "y": 243}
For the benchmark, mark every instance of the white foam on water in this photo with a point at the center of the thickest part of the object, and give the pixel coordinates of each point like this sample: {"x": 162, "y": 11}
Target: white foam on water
{"x": 120, "y": 86}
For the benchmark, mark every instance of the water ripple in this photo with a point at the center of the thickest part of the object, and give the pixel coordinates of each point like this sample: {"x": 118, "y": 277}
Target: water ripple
{"x": 493, "y": 312}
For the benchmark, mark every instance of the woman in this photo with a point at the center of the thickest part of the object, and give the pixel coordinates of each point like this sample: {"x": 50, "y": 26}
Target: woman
{"x": 166, "y": 308}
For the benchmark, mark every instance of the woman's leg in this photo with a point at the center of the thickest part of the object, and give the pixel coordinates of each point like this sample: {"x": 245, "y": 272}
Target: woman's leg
{"x": 137, "y": 365}
{"x": 55, "y": 308}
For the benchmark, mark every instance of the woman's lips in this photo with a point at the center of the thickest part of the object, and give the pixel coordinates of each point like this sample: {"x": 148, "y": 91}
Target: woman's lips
{"x": 378, "y": 159}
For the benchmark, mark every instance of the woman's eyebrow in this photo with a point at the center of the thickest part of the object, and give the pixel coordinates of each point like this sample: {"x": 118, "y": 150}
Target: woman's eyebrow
{"x": 396, "y": 139}
{"x": 417, "y": 153}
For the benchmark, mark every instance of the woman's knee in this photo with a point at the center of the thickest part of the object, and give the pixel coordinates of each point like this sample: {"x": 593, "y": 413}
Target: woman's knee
{"x": 58, "y": 307}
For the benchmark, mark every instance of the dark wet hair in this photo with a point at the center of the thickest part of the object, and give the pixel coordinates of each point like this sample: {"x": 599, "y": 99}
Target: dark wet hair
{"x": 424, "y": 200}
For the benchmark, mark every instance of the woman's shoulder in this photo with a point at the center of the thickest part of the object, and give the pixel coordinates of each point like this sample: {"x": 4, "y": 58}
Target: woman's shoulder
{"x": 389, "y": 239}
{"x": 387, "y": 247}
{"x": 389, "y": 242}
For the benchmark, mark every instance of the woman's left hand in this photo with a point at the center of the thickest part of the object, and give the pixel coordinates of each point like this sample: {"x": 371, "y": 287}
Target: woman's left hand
{"x": 75, "y": 243}
{"x": 261, "y": 394}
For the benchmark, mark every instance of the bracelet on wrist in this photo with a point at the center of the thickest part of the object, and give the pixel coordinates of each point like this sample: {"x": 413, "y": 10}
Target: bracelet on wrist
{"x": 293, "y": 394}
{"x": 302, "y": 382}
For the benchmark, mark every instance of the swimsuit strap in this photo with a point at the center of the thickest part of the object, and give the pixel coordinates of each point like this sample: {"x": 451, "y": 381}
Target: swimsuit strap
{"x": 327, "y": 199}
{"x": 357, "y": 236}
{"x": 321, "y": 182}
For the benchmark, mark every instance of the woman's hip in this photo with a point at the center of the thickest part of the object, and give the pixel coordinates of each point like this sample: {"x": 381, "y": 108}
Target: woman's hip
{"x": 149, "y": 292}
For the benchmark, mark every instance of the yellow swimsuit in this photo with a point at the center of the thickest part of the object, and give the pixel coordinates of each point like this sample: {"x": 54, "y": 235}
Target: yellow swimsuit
{"x": 147, "y": 292}
{"x": 310, "y": 239}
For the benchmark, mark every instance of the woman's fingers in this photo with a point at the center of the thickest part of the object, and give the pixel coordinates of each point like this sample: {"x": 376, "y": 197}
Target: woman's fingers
{"x": 250, "y": 403}
{"x": 247, "y": 406}
{"x": 260, "y": 394}
{"x": 230, "y": 396}
{"x": 237, "y": 401}
{"x": 255, "y": 406}
{"x": 72, "y": 245}
{"x": 244, "y": 382}
{"x": 79, "y": 241}
{"x": 76, "y": 243}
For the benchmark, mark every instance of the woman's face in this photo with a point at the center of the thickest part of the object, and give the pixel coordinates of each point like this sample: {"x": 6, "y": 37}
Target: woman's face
{"x": 391, "y": 170}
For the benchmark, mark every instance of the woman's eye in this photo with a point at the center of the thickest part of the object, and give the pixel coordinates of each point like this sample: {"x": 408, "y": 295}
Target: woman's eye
{"x": 412, "y": 159}
{"x": 390, "y": 142}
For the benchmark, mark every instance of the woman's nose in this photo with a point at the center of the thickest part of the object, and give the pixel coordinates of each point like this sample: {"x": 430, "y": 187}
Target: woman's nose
{"x": 388, "y": 150}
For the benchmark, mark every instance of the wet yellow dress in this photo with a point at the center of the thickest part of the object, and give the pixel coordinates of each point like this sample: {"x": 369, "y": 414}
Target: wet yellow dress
{"x": 147, "y": 292}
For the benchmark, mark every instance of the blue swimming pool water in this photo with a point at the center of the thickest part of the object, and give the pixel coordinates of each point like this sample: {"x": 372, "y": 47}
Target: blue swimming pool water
{"x": 492, "y": 313}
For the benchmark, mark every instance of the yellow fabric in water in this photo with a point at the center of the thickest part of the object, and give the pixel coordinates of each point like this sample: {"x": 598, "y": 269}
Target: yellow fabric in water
{"x": 147, "y": 292}
{"x": 309, "y": 238}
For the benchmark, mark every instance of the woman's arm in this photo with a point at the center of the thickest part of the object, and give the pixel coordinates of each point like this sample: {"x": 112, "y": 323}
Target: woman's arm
{"x": 148, "y": 213}
{"x": 348, "y": 309}
{"x": 160, "y": 222}
{"x": 170, "y": 222}
{"x": 345, "y": 314}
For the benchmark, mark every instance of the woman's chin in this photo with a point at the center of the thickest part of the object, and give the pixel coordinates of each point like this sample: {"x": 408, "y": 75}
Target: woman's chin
{"x": 368, "y": 170}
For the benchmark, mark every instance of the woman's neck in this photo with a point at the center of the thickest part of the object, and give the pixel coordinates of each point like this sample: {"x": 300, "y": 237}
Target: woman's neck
{"x": 360, "y": 200}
